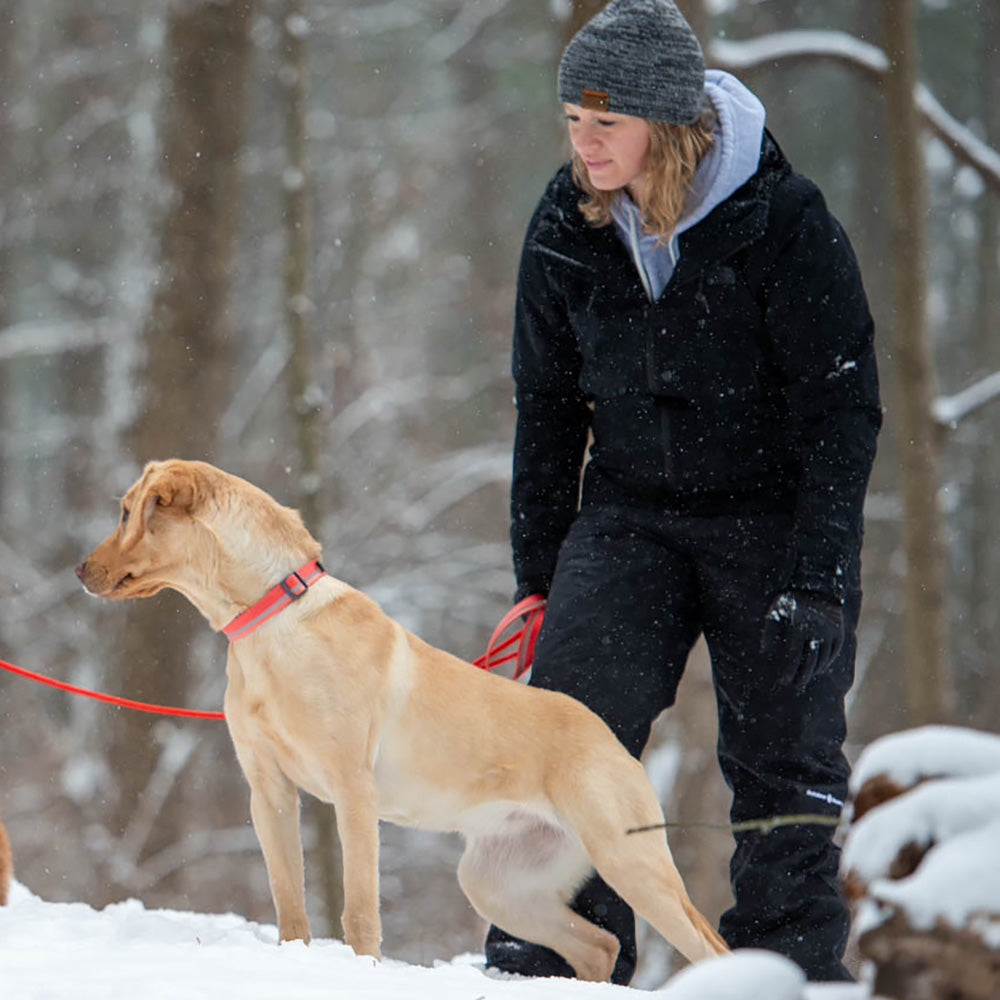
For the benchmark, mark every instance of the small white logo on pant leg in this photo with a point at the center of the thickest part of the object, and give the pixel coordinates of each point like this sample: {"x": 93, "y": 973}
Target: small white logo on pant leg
{"x": 826, "y": 797}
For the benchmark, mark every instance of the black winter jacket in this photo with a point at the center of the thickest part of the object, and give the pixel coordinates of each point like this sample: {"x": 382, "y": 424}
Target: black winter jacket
{"x": 750, "y": 384}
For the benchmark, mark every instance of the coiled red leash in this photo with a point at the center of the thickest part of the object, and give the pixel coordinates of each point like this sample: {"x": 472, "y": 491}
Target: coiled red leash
{"x": 531, "y": 608}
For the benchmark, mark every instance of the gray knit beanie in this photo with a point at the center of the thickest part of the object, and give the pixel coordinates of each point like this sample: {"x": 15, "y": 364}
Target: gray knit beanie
{"x": 635, "y": 57}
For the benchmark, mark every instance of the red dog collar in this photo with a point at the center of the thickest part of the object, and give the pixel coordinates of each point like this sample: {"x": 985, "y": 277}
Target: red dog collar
{"x": 279, "y": 596}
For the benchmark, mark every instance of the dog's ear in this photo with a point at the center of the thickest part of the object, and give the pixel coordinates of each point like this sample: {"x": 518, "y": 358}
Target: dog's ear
{"x": 174, "y": 484}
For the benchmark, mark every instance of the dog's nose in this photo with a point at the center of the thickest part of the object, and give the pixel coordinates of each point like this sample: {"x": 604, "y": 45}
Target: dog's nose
{"x": 80, "y": 570}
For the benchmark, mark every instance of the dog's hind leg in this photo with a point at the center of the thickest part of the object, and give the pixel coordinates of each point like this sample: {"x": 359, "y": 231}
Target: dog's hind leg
{"x": 521, "y": 883}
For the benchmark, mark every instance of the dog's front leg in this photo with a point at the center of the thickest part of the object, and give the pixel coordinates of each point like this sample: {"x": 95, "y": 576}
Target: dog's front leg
{"x": 274, "y": 807}
{"x": 357, "y": 824}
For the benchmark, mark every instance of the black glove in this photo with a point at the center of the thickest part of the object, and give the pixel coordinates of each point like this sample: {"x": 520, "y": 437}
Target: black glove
{"x": 803, "y": 633}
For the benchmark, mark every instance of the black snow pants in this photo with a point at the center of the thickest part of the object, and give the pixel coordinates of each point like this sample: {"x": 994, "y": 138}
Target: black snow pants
{"x": 632, "y": 591}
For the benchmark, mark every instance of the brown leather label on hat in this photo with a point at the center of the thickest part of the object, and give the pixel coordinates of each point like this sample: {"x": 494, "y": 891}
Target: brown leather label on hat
{"x": 594, "y": 100}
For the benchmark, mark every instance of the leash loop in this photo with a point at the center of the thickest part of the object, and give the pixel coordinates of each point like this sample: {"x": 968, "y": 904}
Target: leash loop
{"x": 532, "y": 610}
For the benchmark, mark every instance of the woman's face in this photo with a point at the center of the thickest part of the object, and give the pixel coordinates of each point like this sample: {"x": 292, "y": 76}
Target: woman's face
{"x": 612, "y": 147}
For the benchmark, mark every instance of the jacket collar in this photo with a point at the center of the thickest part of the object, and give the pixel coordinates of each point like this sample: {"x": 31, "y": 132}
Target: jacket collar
{"x": 738, "y": 221}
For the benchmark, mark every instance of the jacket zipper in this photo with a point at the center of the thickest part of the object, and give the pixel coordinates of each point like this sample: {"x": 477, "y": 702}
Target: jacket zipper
{"x": 666, "y": 435}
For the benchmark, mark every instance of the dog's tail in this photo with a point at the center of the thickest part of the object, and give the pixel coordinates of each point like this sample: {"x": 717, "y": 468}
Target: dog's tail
{"x": 603, "y": 800}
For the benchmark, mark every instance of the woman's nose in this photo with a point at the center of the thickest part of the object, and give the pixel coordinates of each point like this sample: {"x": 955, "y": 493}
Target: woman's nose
{"x": 583, "y": 138}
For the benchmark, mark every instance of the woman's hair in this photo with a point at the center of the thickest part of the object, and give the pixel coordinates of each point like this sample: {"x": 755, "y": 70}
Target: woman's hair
{"x": 671, "y": 160}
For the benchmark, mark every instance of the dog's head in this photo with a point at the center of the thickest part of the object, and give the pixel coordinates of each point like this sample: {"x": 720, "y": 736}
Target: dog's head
{"x": 154, "y": 541}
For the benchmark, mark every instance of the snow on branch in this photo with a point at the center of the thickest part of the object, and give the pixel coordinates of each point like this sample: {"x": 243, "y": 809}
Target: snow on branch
{"x": 401, "y": 397}
{"x": 949, "y": 410}
{"x": 838, "y": 46}
{"x": 453, "y": 478}
{"x": 780, "y": 46}
{"x": 23, "y": 339}
{"x": 463, "y": 29}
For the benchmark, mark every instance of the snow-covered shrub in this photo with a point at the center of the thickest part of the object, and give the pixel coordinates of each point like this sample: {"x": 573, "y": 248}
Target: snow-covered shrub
{"x": 920, "y": 863}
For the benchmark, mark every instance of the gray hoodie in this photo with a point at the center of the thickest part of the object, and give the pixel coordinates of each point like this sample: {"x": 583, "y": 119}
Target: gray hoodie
{"x": 728, "y": 165}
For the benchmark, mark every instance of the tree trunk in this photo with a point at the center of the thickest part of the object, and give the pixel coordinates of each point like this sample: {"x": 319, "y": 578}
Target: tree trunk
{"x": 581, "y": 12}
{"x": 926, "y": 662}
{"x": 8, "y": 146}
{"x": 985, "y": 555}
{"x": 698, "y": 17}
{"x": 184, "y": 378}
{"x": 305, "y": 397}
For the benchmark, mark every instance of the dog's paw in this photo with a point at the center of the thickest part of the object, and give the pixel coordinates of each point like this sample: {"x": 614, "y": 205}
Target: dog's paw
{"x": 294, "y": 930}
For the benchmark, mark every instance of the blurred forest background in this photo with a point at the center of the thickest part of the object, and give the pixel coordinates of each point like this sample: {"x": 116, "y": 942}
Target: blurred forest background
{"x": 282, "y": 235}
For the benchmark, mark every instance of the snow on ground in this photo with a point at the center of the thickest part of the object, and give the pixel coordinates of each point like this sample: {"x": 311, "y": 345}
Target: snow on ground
{"x": 52, "y": 951}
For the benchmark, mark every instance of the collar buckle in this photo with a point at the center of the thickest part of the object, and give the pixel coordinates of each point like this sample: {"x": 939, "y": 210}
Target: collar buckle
{"x": 293, "y": 592}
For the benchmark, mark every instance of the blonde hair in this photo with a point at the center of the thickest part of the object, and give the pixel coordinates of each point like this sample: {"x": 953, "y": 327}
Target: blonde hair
{"x": 671, "y": 160}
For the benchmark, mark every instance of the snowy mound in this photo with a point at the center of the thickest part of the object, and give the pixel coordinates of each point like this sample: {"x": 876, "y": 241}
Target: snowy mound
{"x": 922, "y": 863}
{"x": 928, "y": 751}
{"x": 738, "y": 976}
{"x": 957, "y": 884}
{"x": 931, "y": 813}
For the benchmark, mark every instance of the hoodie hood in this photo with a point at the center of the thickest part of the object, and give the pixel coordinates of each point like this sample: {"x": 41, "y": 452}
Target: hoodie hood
{"x": 726, "y": 167}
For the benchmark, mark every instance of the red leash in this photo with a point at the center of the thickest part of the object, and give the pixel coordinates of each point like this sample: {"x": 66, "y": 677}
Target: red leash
{"x": 111, "y": 699}
{"x": 532, "y": 607}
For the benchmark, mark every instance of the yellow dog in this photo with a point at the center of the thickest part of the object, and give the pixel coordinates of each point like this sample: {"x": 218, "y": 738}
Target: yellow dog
{"x": 328, "y": 694}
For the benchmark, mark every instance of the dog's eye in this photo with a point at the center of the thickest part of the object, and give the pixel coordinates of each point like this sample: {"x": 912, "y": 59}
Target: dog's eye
{"x": 124, "y": 516}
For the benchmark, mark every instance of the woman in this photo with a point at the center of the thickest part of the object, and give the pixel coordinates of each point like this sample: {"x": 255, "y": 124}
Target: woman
{"x": 686, "y": 302}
